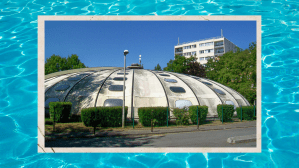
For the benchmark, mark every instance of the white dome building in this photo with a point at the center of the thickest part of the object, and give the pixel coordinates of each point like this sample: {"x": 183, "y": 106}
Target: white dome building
{"x": 93, "y": 87}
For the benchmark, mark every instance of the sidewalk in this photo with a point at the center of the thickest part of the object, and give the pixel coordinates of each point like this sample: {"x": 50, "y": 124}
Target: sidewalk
{"x": 147, "y": 131}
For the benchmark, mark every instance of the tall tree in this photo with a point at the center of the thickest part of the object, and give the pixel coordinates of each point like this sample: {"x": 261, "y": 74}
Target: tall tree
{"x": 185, "y": 65}
{"x": 195, "y": 69}
{"x": 236, "y": 70}
{"x": 158, "y": 68}
{"x": 56, "y": 63}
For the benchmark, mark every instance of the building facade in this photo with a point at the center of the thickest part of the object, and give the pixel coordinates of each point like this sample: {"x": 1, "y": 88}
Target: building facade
{"x": 205, "y": 49}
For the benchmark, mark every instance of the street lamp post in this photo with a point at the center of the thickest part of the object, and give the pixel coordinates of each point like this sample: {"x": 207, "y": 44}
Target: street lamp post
{"x": 124, "y": 86}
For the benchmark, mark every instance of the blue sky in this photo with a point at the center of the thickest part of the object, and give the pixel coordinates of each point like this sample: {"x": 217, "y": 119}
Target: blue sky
{"x": 101, "y": 43}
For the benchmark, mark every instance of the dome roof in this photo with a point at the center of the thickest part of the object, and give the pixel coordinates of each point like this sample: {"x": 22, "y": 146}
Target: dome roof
{"x": 144, "y": 88}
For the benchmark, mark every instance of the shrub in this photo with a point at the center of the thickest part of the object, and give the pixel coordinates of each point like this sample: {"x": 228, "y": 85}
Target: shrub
{"x": 75, "y": 118}
{"x": 159, "y": 115}
{"x": 103, "y": 116}
{"x": 61, "y": 110}
{"x": 228, "y": 112}
{"x": 247, "y": 112}
{"x": 182, "y": 116}
{"x": 202, "y": 113}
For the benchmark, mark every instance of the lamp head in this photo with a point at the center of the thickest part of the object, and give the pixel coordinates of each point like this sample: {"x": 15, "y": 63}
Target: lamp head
{"x": 126, "y": 52}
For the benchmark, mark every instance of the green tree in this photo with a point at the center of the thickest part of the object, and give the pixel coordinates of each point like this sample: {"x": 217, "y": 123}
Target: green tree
{"x": 56, "y": 63}
{"x": 195, "y": 69}
{"x": 179, "y": 64}
{"x": 185, "y": 65}
{"x": 236, "y": 70}
{"x": 158, "y": 68}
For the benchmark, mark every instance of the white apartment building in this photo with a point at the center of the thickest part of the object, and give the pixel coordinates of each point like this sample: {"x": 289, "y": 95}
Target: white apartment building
{"x": 205, "y": 49}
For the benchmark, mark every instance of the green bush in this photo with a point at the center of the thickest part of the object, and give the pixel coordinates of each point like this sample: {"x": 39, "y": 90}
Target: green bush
{"x": 75, "y": 118}
{"x": 182, "y": 116}
{"x": 247, "y": 112}
{"x": 103, "y": 116}
{"x": 159, "y": 115}
{"x": 228, "y": 112}
{"x": 202, "y": 113}
{"x": 62, "y": 111}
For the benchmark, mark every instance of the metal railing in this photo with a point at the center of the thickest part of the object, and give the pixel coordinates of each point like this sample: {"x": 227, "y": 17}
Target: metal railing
{"x": 200, "y": 40}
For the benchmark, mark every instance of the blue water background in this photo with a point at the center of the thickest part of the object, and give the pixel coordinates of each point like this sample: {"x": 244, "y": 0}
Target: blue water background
{"x": 18, "y": 82}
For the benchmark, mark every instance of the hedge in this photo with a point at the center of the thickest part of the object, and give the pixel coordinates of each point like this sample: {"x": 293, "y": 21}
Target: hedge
{"x": 247, "y": 112}
{"x": 228, "y": 112}
{"x": 159, "y": 114}
{"x": 202, "y": 113}
{"x": 103, "y": 116}
{"x": 182, "y": 116}
{"x": 62, "y": 111}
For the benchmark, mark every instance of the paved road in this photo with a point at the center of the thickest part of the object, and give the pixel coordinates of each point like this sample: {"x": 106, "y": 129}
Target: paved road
{"x": 216, "y": 138}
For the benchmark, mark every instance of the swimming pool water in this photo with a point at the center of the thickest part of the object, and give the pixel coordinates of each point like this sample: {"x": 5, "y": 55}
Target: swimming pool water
{"x": 18, "y": 82}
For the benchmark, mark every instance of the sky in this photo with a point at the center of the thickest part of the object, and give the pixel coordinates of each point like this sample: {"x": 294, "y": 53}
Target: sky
{"x": 102, "y": 43}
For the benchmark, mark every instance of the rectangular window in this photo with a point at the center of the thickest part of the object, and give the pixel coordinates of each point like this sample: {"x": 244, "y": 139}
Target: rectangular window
{"x": 193, "y": 46}
{"x": 193, "y": 53}
{"x": 201, "y": 51}
{"x": 210, "y": 43}
{"x": 220, "y": 43}
{"x": 206, "y": 51}
{"x": 202, "y": 44}
{"x": 202, "y": 58}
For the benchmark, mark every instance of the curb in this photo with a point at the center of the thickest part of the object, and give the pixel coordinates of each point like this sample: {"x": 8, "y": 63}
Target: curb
{"x": 240, "y": 139}
{"x": 126, "y": 134}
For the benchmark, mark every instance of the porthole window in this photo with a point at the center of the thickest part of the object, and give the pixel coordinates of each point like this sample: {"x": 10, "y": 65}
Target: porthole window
{"x": 164, "y": 75}
{"x": 177, "y": 89}
{"x": 170, "y": 80}
{"x": 113, "y": 102}
{"x": 62, "y": 87}
{"x": 182, "y": 104}
{"x": 219, "y": 91}
{"x": 121, "y": 73}
{"x": 116, "y": 87}
{"x": 207, "y": 83}
{"x": 119, "y": 79}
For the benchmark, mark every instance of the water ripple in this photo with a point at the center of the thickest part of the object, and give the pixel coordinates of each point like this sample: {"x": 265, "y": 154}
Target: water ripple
{"x": 18, "y": 82}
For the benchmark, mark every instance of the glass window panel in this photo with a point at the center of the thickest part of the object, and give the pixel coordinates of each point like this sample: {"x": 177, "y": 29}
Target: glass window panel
{"x": 113, "y": 102}
{"x": 177, "y": 89}
{"x": 121, "y": 73}
{"x": 164, "y": 75}
{"x": 219, "y": 91}
{"x": 207, "y": 83}
{"x": 116, "y": 87}
{"x": 119, "y": 78}
{"x": 182, "y": 104}
{"x": 170, "y": 80}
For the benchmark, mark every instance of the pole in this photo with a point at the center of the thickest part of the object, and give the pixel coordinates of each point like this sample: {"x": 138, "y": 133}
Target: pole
{"x": 124, "y": 87}
{"x": 222, "y": 114}
{"x": 241, "y": 113}
{"x": 133, "y": 119}
{"x": 152, "y": 122}
{"x": 254, "y": 110}
{"x": 54, "y": 120}
{"x": 167, "y": 117}
{"x": 197, "y": 117}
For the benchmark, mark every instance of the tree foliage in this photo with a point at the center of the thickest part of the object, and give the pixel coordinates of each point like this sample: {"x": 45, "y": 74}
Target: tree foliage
{"x": 56, "y": 63}
{"x": 185, "y": 65}
{"x": 236, "y": 70}
{"x": 158, "y": 68}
